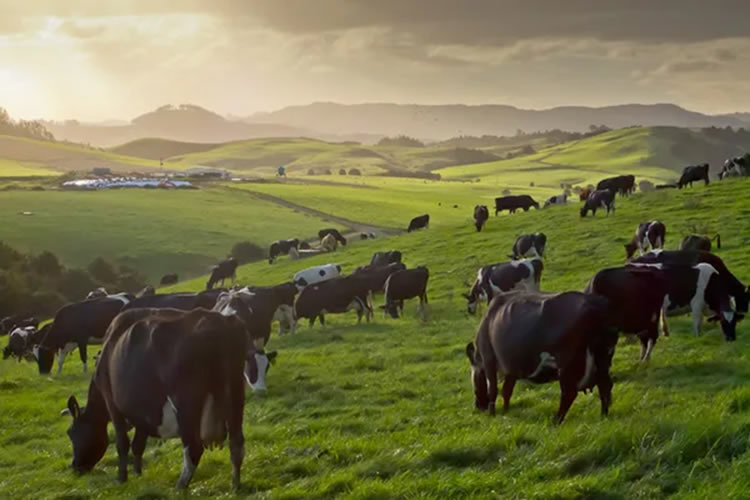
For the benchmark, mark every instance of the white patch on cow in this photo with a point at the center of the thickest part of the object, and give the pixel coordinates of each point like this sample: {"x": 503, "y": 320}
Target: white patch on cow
{"x": 529, "y": 283}
{"x": 121, "y": 297}
{"x": 589, "y": 373}
{"x": 35, "y": 352}
{"x": 293, "y": 253}
{"x": 284, "y": 314}
{"x": 64, "y": 351}
{"x": 316, "y": 274}
{"x": 546, "y": 360}
{"x": 168, "y": 427}
{"x": 261, "y": 361}
{"x": 705, "y": 271}
{"x": 728, "y": 316}
{"x": 641, "y": 264}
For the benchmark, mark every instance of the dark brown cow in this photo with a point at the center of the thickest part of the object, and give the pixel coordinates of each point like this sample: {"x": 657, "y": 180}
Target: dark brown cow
{"x": 420, "y": 222}
{"x": 226, "y": 269}
{"x": 169, "y": 374}
{"x": 541, "y": 338}
{"x": 336, "y": 295}
{"x": 481, "y": 214}
{"x": 504, "y": 277}
{"x": 511, "y": 203}
{"x": 599, "y": 199}
{"x": 693, "y": 173}
{"x": 698, "y": 242}
{"x": 403, "y": 285}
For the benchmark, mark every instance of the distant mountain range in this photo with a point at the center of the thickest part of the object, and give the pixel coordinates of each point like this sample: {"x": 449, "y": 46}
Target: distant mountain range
{"x": 367, "y": 123}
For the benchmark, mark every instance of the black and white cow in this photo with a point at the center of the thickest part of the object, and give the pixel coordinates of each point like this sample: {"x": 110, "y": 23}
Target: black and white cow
{"x": 648, "y": 235}
{"x": 264, "y": 305}
{"x": 316, "y": 274}
{"x": 698, "y": 242}
{"x": 335, "y": 296}
{"x": 599, "y": 199}
{"x": 375, "y": 277}
{"x": 281, "y": 247}
{"x": 636, "y": 297}
{"x": 169, "y": 374}
{"x": 403, "y": 285}
{"x": 529, "y": 245}
{"x": 691, "y": 289}
{"x": 692, "y": 174}
{"x": 481, "y": 214}
{"x": 21, "y": 342}
{"x": 511, "y": 203}
{"x": 226, "y": 269}
{"x": 421, "y": 222}
{"x": 385, "y": 258}
{"x": 503, "y": 277}
{"x": 181, "y": 301}
{"x": 735, "y": 167}
{"x": 10, "y": 323}
{"x": 622, "y": 184}
{"x": 542, "y": 338}
{"x": 333, "y": 232}
{"x": 558, "y": 199}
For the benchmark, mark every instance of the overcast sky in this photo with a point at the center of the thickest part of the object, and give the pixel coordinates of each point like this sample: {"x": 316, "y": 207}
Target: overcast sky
{"x": 94, "y": 60}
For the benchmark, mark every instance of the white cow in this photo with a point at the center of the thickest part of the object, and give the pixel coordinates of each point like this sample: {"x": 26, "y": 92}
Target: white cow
{"x": 316, "y": 274}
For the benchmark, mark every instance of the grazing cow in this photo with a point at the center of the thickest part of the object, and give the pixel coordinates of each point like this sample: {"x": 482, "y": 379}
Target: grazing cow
{"x": 97, "y": 294}
{"x": 335, "y": 296}
{"x": 691, "y": 174}
{"x": 584, "y": 194}
{"x": 636, "y": 296}
{"x": 599, "y": 199}
{"x": 513, "y": 203}
{"x": 375, "y": 277}
{"x": 328, "y": 243}
{"x": 281, "y": 247}
{"x": 529, "y": 244}
{"x": 364, "y": 236}
{"x": 316, "y": 274}
{"x": 698, "y": 242}
{"x": 403, "y": 285}
{"x": 10, "y": 323}
{"x": 481, "y": 214}
{"x": 333, "y": 232}
{"x": 169, "y": 279}
{"x": 666, "y": 186}
{"x": 221, "y": 271}
{"x": 76, "y": 325}
{"x": 385, "y": 258}
{"x": 147, "y": 291}
{"x": 690, "y": 289}
{"x": 262, "y": 306}
{"x": 558, "y": 199}
{"x": 688, "y": 258}
{"x": 622, "y": 184}
{"x": 541, "y": 338}
{"x": 648, "y": 235}
{"x": 169, "y": 374}
{"x": 421, "y": 222}
{"x": 504, "y": 277}
{"x": 734, "y": 167}
{"x": 181, "y": 301}
{"x": 21, "y": 342}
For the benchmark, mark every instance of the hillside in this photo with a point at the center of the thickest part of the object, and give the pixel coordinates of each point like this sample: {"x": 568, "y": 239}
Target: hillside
{"x": 157, "y": 149}
{"x": 385, "y": 409}
{"x": 445, "y": 121}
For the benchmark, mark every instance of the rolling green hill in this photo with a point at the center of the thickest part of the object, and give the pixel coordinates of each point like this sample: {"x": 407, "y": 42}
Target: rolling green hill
{"x": 385, "y": 410}
{"x": 157, "y": 149}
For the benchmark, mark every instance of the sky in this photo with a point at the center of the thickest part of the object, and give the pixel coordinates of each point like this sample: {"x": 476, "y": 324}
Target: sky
{"x": 98, "y": 60}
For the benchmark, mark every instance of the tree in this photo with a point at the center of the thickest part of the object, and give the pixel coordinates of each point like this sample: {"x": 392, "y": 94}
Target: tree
{"x": 342, "y": 171}
{"x": 245, "y": 252}
{"x": 102, "y": 271}
{"x": 47, "y": 264}
{"x": 8, "y": 256}
{"x": 75, "y": 284}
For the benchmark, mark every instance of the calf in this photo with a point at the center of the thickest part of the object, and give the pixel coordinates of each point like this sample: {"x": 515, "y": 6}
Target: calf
{"x": 169, "y": 279}
{"x": 558, "y": 199}
{"x": 529, "y": 244}
{"x": 169, "y": 374}
{"x": 385, "y": 258}
{"x": 541, "y": 338}
{"x": 491, "y": 280}
{"x": 336, "y": 295}
{"x": 421, "y": 222}
{"x": 21, "y": 342}
{"x": 647, "y": 235}
{"x": 481, "y": 214}
{"x": 636, "y": 297}
{"x": 226, "y": 269}
{"x": 333, "y": 232}
{"x": 403, "y": 285}
{"x": 328, "y": 243}
{"x": 281, "y": 247}
{"x": 599, "y": 199}
{"x": 698, "y": 242}
{"x": 693, "y": 173}
{"x": 622, "y": 184}
{"x": 76, "y": 325}
{"x": 512, "y": 203}
{"x": 316, "y": 274}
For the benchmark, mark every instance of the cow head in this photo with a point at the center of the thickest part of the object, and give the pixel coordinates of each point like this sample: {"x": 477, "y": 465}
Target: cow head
{"x": 728, "y": 321}
{"x": 45, "y": 358}
{"x": 391, "y": 308}
{"x": 478, "y": 379}
{"x": 630, "y": 249}
{"x": 87, "y": 434}
{"x": 256, "y": 367}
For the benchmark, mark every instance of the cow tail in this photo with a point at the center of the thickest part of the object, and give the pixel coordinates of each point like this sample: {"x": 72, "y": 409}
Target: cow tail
{"x": 718, "y": 240}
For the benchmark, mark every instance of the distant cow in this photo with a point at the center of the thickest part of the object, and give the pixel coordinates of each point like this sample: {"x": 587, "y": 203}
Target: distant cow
{"x": 10, "y": 323}
{"x": 375, "y": 277}
{"x": 384, "y": 258}
{"x": 734, "y": 167}
{"x": 97, "y": 294}
{"x": 169, "y": 279}
{"x": 599, "y": 199}
{"x": 541, "y": 338}
{"x": 335, "y": 296}
{"x": 558, "y": 199}
{"x": 421, "y": 222}
{"x": 648, "y": 235}
{"x": 316, "y": 274}
{"x": 169, "y": 374}
{"x": 512, "y": 203}
{"x": 146, "y": 291}
{"x": 226, "y": 269}
{"x": 622, "y": 184}
{"x": 21, "y": 342}
{"x": 698, "y": 242}
{"x": 504, "y": 277}
{"x": 333, "y": 232}
{"x": 529, "y": 245}
{"x": 403, "y": 285}
{"x": 693, "y": 173}
{"x": 328, "y": 243}
{"x": 481, "y": 214}
{"x": 261, "y": 306}
{"x": 281, "y": 247}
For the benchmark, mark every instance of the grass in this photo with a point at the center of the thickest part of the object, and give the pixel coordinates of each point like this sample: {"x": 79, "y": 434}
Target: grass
{"x": 384, "y": 410}
{"x": 11, "y": 168}
{"x": 154, "y": 231}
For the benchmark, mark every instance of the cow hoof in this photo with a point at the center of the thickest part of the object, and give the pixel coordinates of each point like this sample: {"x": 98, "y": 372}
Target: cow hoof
{"x": 492, "y": 410}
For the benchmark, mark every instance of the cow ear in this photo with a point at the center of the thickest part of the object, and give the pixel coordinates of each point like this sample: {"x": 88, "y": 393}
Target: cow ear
{"x": 470, "y": 351}
{"x": 73, "y": 409}
{"x": 272, "y": 357}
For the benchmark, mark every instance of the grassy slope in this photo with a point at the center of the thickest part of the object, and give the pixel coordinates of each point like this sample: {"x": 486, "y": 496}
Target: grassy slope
{"x": 154, "y": 231}
{"x": 156, "y": 149}
{"x": 385, "y": 410}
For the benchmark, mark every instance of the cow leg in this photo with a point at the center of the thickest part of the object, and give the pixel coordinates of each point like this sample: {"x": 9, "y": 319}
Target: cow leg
{"x": 312, "y": 321}
{"x": 322, "y": 319}
{"x": 188, "y": 421}
{"x": 84, "y": 355}
{"x": 61, "y": 353}
{"x": 697, "y": 310}
{"x": 138, "y": 446}
{"x": 664, "y": 328}
{"x": 569, "y": 385}
{"x": 490, "y": 371}
{"x": 508, "y": 384}
{"x": 359, "y": 316}
{"x": 234, "y": 428}
{"x": 123, "y": 442}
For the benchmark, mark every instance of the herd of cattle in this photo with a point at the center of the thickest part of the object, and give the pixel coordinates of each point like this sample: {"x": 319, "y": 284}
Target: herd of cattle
{"x": 195, "y": 351}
